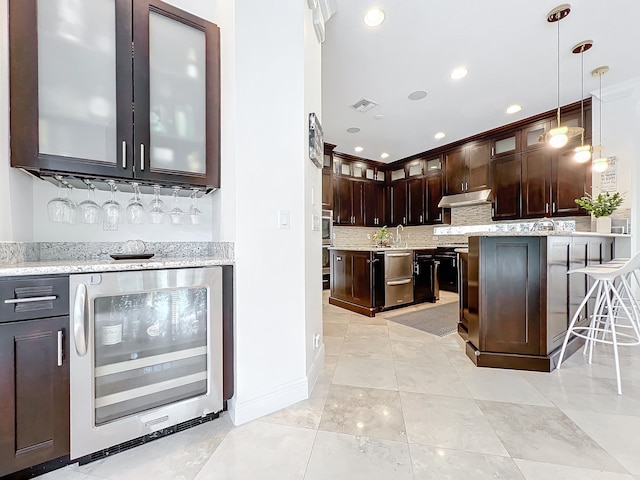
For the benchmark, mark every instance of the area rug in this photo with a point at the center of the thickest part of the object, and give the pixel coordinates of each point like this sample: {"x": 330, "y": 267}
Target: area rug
{"x": 440, "y": 320}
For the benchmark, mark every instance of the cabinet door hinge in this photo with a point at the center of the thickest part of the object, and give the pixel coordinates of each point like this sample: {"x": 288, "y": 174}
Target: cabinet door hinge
{"x": 132, "y": 49}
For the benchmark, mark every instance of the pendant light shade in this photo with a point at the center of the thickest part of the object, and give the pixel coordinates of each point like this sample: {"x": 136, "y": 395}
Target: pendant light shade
{"x": 601, "y": 163}
{"x": 582, "y": 154}
{"x": 559, "y": 136}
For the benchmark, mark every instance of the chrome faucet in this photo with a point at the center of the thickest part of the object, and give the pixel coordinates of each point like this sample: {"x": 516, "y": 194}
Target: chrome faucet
{"x": 400, "y": 226}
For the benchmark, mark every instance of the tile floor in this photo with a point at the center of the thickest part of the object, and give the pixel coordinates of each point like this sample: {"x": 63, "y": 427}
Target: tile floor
{"x": 397, "y": 403}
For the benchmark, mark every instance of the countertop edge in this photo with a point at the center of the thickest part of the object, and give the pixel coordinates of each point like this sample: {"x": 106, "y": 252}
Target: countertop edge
{"x": 88, "y": 266}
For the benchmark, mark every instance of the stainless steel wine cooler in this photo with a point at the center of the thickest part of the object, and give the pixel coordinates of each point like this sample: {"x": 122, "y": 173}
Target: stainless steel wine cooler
{"x": 146, "y": 353}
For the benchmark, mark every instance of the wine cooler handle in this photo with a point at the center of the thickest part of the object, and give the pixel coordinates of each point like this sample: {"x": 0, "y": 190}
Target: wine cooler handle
{"x": 80, "y": 319}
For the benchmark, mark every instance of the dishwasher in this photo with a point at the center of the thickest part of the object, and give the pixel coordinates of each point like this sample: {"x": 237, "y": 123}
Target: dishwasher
{"x": 425, "y": 270}
{"x": 398, "y": 277}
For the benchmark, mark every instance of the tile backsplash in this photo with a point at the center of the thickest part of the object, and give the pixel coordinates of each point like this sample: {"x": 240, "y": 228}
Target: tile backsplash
{"x": 424, "y": 235}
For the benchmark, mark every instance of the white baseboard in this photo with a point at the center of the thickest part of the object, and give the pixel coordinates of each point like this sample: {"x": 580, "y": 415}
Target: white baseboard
{"x": 316, "y": 368}
{"x": 279, "y": 397}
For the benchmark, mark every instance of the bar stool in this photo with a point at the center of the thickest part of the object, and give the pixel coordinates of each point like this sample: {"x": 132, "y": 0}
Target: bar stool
{"x": 615, "y": 308}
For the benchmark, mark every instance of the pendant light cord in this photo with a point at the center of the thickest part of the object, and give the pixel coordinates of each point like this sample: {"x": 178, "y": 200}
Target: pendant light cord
{"x": 582, "y": 95}
{"x": 558, "y": 22}
{"x": 601, "y": 102}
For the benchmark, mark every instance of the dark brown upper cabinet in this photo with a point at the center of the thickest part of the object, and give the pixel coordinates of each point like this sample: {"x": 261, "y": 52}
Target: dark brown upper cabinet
{"x": 506, "y": 185}
{"x": 506, "y": 144}
{"x": 467, "y": 168}
{"x": 551, "y": 181}
{"x": 125, "y": 89}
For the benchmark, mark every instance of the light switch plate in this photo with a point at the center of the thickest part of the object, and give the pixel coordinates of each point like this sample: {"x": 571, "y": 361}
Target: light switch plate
{"x": 283, "y": 220}
{"x": 315, "y": 223}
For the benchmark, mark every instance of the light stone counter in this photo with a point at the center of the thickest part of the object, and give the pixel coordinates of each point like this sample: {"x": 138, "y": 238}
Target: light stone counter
{"x": 372, "y": 248}
{"x": 88, "y": 266}
{"x": 19, "y": 259}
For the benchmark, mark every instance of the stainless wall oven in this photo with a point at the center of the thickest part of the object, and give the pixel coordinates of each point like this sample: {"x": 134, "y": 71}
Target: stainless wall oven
{"x": 146, "y": 353}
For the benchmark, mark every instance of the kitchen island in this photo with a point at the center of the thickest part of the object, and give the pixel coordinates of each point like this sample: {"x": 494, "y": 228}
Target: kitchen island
{"x": 367, "y": 279}
{"x": 516, "y": 299}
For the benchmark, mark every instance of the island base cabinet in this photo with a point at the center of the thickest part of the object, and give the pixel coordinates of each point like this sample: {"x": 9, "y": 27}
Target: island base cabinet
{"x": 518, "y": 299}
{"x": 357, "y": 278}
{"x": 34, "y": 393}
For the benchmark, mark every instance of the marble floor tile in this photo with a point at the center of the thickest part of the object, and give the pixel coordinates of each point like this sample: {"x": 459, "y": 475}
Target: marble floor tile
{"x": 357, "y": 319}
{"x": 340, "y": 457}
{"x": 367, "y": 412}
{"x": 448, "y": 422}
{"x": 418, "y": 352}
{"x": 548, "y": 471}
{"x": 546, "y": 434}
{"x": 332, "y": 345}
{"x": 179, "y": 456}
{"x": 617, "y": 434}
{"x": 581, "y": 392}
{"x": 429, "y": 378}
{"x": 305, "y": 414}
{"x": 398, "y": 331}
{"x": 373, "y": 331}
{"x": 501, "y": 385}
{"x": 334, "y": 329}
{"x": 433, "y": 463}
{"x": 67, "y": 473}
{"x": 371, "y": 347}
{"x": 365, "y": 372}
{"x": 260, "y": 450}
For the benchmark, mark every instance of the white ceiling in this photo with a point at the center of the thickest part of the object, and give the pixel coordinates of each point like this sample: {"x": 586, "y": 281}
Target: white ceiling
{"x": 508, "y": 46}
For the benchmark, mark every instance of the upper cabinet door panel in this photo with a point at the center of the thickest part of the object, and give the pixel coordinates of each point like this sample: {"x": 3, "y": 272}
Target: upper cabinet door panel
{"x": 77, "y": 79}
{"x": 176, "y": 115}
{"x": 478, "y": 156}
{"x": 71, "y": 85}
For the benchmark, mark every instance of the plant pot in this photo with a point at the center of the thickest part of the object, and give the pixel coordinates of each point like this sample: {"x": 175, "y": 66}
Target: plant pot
{"x": 603, "y": 224}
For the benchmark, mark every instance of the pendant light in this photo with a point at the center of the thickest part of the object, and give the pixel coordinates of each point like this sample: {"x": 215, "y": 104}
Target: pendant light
{"x": 601, "y": 163}
{"x": 559, "y": 136}
{"x": 582, "y": 154}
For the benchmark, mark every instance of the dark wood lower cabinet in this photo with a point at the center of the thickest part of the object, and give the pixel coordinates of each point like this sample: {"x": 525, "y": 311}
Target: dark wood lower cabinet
{"x": 356, "y": 280}
{"x": 518, "y": 300}
{"x": 34, "y": 393}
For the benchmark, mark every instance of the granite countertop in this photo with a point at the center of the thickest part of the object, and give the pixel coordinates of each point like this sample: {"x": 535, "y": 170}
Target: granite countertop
{"x": 550, "y": 234}
{"x": 88, "y": 266}
{"x": 372, "y": 248}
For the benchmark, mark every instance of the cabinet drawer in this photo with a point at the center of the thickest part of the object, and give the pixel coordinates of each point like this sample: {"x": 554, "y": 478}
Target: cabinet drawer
{"x": 398, "y": 291}
{"x": 33, "y": 297}
{"x": 398, "y": 263}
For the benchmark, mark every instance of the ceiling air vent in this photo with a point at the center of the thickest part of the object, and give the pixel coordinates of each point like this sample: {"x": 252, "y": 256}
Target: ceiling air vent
{"x": 364, "y": 105}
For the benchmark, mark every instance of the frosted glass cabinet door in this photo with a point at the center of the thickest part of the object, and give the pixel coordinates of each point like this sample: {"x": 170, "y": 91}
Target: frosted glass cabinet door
{"x": 77, "y": 79}
{"x": 175, "y": 89}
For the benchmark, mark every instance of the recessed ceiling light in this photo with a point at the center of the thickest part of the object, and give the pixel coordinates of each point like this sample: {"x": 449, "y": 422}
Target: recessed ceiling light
{"x": 358, "y": 149}
{"x": 417, "y": 95}
{"x": 459, "y": 73}
{"x": 384, "y": 155}
{"x": 515, "y": 108}
{"x": 353, "y": 129}
{"x": 439, "y": 135}
{"x": 379, "y": 116}
{"x": 374, "y": 17}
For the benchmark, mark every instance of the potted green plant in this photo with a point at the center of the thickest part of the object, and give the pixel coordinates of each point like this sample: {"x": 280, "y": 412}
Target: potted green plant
{"x": 382, "y": 237}
{"x": 601, "y": 207}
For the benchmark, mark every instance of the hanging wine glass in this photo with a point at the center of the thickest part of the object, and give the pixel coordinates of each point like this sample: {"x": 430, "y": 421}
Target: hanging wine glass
{"x": 135, "y": 210}
{"x": 176, "y": 213}
{"x": 194, "y": 211}
{"x": 90, "y": 212}
{"x": 111, "y": 210}
{"x": 156, "y": 207}
{"x": 58, "y": 208}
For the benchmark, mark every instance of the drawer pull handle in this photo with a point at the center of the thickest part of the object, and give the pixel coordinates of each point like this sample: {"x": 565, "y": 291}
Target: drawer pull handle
{"x": 399, "y": 282}
{"x": 48, "y": 298}
{"x": 60, "y": 347}
{"x": 406, "y": 254}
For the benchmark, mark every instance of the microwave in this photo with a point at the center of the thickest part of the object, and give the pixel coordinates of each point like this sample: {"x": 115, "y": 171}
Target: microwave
{"x": 327, "y": 227}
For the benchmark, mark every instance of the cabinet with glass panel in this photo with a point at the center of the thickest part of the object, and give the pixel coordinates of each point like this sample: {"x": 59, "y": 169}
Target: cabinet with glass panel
{"x": 126, "y": 89}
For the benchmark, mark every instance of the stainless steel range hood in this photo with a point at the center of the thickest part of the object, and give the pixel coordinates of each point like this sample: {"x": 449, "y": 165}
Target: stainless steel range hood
{"x": 465, "y": 199}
